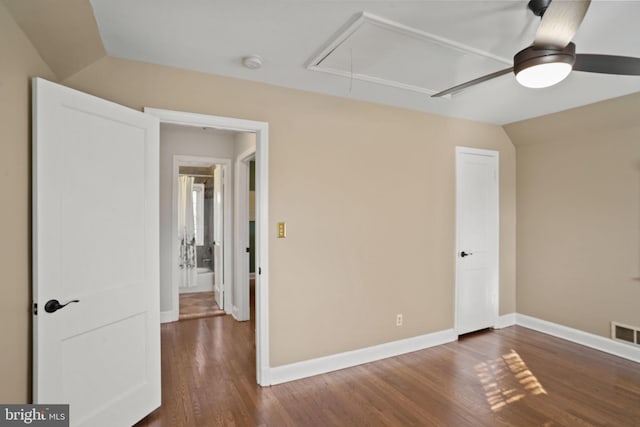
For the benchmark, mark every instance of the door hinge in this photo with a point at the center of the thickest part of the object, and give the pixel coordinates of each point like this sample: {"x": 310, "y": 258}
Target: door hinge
{"x": 35, "y": 308}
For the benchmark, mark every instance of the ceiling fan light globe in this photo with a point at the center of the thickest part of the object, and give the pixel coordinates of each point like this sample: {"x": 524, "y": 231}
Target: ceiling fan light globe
{"x": 543, "y": 75}
{"x": 538, "y": 67}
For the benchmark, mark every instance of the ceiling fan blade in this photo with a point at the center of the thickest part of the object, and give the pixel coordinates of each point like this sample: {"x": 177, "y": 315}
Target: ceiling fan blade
{"x": 472, "y": 82}
{"x": 560, "y": 22}
{"x": 607, "y": 64}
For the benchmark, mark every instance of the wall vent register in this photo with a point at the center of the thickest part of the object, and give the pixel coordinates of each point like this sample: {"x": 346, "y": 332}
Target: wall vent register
{"x": 626, "y": 333}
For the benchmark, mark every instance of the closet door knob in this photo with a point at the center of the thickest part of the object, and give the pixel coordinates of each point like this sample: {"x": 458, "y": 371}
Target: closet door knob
{"x": 464, "y": 254}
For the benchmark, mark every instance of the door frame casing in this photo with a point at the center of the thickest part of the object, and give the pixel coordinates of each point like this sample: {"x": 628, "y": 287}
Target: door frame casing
{"x": 495, "y": 284}
{"x": 261, "y": 130}
{"x": 184, "y": 160}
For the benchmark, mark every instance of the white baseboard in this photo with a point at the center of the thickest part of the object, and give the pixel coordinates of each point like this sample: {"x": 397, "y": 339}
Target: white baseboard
{"x": 234, "y": 311}
{"x": 321, "y": 365}
{"x": 505, "y": 321}
{"x": 626, "y": 351}
{"x": 169, "y": 316}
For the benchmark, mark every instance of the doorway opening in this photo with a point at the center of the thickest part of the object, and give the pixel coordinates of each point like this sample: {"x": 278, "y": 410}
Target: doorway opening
{"x": 236, "y": 295}
{"x": 200, "y": 223}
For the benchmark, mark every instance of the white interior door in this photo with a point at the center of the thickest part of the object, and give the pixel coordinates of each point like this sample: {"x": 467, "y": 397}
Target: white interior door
{"x": 218, "y": 233}
{"x": 477, "y": 223}
{"x": 242, "y": 292}
{"x": 95, "y": 231}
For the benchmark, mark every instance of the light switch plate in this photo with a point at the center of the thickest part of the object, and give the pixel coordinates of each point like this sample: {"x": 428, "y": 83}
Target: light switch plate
{"x": 282, "y": 230}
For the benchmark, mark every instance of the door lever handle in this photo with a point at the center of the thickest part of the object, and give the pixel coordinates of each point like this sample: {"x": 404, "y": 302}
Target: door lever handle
{"x": 464, "y": 254}
{"x": 54, "y": 305}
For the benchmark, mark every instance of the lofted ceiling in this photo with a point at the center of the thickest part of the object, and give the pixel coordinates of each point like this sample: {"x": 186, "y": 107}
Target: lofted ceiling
{"x": 389, "y": 52}
{"x": 65, "y": 34}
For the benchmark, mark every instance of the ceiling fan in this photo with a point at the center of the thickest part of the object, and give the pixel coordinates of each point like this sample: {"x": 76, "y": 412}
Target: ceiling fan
{"x": 553, "y": 56}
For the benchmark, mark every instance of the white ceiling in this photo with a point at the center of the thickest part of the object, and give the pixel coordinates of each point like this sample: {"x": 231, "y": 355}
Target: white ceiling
{"x": 212, "y": 36}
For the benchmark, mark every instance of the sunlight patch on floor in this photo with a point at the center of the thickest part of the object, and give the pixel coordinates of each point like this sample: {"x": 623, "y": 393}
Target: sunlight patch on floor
{"x": 507, "y": 379}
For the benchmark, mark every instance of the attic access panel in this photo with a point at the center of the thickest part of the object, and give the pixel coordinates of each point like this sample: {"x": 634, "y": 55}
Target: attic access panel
{"x": 381, "y": 51}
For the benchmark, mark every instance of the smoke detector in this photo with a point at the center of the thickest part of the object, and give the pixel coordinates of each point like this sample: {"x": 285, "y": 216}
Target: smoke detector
{"x": 252, "y": 62}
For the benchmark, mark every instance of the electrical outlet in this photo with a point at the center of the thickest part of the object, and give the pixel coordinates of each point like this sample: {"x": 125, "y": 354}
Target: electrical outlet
{"x": 398, "y": 319}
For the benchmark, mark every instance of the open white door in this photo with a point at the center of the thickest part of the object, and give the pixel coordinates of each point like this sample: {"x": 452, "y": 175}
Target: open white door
{"x": 95, "y": 240}
{"x": 477, "y": 225}
{"x": 218, "y": 233}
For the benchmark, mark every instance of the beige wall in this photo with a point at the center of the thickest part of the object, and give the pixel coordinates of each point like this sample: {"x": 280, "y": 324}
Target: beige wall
{"x": 244, "y": 141}
{"x": 18, "y": 62}
{"x": 578, "y": 211}
{"x": 65, "y": 34}
{"x": 367, "y": 192}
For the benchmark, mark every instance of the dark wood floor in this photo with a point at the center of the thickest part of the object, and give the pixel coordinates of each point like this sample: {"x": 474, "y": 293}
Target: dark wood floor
{"x": 509, "y": 377}
{"x": 199, "y": 304}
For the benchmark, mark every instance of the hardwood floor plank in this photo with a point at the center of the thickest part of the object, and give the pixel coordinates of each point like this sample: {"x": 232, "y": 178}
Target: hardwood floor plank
{"x": 198, "y": 304}
{"x": 509, "y": 377}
